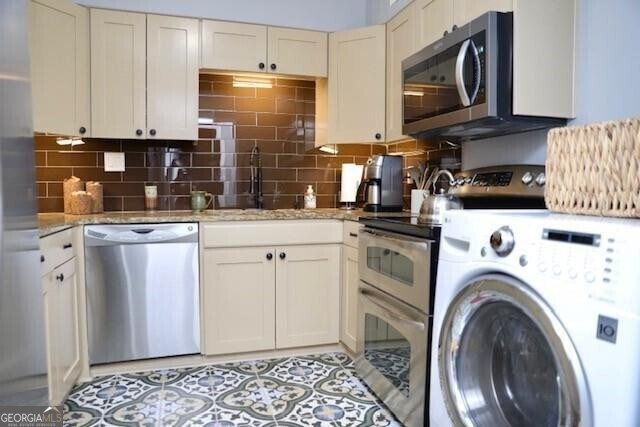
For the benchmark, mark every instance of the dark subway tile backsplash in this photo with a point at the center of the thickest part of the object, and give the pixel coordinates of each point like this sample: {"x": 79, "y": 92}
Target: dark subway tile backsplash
{"x": 280, "y": 121}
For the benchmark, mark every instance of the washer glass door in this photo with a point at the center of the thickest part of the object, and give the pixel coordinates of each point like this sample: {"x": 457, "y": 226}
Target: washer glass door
{"x": 506, "y": 360}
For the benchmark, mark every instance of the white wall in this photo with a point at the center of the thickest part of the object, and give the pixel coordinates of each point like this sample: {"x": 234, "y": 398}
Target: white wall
{"x": 379, "y": 11}
{"x": 607, "y": 81}
{"x": 326, "y": 15}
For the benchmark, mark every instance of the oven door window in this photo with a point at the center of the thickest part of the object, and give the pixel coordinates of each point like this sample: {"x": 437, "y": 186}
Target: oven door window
{"x": 388, "y": 351}
{"x": 391, "y": 264}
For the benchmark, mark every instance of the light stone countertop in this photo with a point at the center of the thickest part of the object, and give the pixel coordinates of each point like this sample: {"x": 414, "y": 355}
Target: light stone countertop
{"x": 49, "y": 223}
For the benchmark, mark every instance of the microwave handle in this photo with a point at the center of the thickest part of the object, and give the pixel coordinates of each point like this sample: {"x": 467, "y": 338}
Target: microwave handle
{"x": 460, "y": 83}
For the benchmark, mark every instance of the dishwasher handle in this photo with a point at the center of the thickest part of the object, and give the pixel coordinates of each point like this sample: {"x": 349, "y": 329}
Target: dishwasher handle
{"x": 110, "y": 235}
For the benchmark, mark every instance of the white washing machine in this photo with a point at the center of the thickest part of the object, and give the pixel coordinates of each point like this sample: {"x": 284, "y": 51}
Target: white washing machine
{"x": 536, "y": 321}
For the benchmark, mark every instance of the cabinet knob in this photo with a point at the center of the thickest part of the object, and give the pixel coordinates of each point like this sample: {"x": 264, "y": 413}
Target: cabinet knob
{"x": 434, "y": 78}
{"x": 152, "y": 132}
{"x": 82, "y": 130}
{"x": 261, "y": 65}
{"x": 60, "y": 277}
{"x": 41, "y": 258}
{"x": 67, "y": 246}
{"x": 455, "y": 27}
{"x": 445, "y": 33}
{"x": 442, "y": 78}
{"x": 283, "y": 255}
{"x": 269, "y": 256}
{"x": 139, "y": 132}
{"x": 273, "y": 66}
{"x": 378, "y": 136}
{"x": 352, "y": 234}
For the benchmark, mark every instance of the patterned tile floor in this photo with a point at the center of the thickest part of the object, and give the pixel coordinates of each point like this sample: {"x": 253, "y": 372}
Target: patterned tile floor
{"x": 319, "y": 390}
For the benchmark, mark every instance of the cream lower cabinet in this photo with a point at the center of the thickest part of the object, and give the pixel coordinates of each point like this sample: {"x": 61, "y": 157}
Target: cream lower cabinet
{"x": 307, "y": 295}
{"x": 60, "y": 290}
{"x": 239, "y": 300}
{"x": 59, "y": 58}
{"x": 349, "y": 297}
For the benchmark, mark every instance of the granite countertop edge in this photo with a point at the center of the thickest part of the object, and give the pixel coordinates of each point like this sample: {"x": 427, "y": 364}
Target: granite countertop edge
{"x": 50, "y": 223}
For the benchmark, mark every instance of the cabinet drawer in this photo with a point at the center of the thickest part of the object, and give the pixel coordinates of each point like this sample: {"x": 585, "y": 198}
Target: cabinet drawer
{"x": 271, "y": 233}
{"x": 350, "y": 233}
{"x": 56, "y": 249}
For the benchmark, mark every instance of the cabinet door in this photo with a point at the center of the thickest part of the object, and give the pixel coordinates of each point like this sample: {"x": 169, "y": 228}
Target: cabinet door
{"x": 356, "y": 102}
{"x": 467, "y": 10}
{"x": 401, "y": 42}
{"x": 59, "y": 48}
{"x": 51, "y": 314}
{"x": 349, "y": 297}
{"x": 68, "y": 324}
{"x": 172, "y": 77}
{"x": 233, "y": 46}
{"x": 307, "y": 295}
{"x": 62, "y": 330}
{"x": 434, "y": 18}
{"x": 118, "y": 74}
{"x": 298, "y": 52}
{"x": 239, "y": 300}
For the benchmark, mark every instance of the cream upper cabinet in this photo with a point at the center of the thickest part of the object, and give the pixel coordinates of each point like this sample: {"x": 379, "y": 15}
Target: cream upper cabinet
{"x": 60, "y": 290}
{"x": 349, "y": 297}
{"x": 118, "y": 74}
{"x": 357, "y": 86}
{"x": 307, "y": 295}
{"x": 59, "y": 55}
{"x": 233, "y": 46}
{"x": 401, "y": 43}
{"x": 297, "y": 52}
{"x": 238, "y": 300}
{"x": 172, "y": 77}
{"x": 434, "y": 18}
{"x": 467, "y": 10}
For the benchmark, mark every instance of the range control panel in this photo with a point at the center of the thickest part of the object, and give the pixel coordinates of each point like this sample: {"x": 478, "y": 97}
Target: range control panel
{"x": 507, "y": 181}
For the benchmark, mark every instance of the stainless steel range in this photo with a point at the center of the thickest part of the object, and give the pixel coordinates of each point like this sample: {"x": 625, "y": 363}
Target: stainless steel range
{"x": 397, "y": 267}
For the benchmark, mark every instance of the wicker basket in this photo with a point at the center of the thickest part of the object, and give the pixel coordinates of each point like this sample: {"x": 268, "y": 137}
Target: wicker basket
{"x": 595, "y": 169}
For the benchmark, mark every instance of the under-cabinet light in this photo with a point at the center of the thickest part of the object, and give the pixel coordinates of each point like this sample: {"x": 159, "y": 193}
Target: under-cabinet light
{"x": 413, "y": 93}
{"x": 252, "y": 82}
{"x": 69, "y": 141}
{"x": 330, "y": 149}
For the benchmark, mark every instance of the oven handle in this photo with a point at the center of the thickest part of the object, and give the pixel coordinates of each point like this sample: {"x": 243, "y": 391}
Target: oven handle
{"x": 389, "y": 311}
{"x": 398, "y": 238}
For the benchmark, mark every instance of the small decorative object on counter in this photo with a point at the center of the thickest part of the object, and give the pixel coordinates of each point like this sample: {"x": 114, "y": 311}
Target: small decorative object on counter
{"x": 199, "y": 201}
{"x": 69, "y": 186}
{"x": 151, "y": 197}
{"x": 80, "y": 203}
{"x": 310, "y": 198}
{"x": 417, "y": 197}
{"x": 593, "y": 169}
{"x": 97, "y": 200}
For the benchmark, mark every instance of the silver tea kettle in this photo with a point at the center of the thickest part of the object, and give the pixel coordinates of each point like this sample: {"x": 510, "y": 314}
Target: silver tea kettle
{"x": 435, "y": 205}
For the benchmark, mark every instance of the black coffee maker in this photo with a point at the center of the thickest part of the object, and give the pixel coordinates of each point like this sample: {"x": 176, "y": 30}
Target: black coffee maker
{"x": 381, "y": 188}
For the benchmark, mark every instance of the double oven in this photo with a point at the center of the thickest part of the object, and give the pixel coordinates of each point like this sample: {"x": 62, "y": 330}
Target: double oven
{"x": 397, "y": 273}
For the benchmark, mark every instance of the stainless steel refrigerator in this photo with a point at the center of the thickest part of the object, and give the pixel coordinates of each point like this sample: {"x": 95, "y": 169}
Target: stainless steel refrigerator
{"x": 23, "y": 379}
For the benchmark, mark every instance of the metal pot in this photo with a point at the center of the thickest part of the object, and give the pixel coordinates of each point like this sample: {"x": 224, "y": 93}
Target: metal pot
{"x": 435, "y": 205}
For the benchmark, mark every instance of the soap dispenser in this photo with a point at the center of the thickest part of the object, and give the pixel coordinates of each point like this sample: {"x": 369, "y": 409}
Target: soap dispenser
{"x": 310, "y": 198}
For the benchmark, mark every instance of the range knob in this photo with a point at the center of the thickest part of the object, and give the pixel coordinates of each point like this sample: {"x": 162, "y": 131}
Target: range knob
{"x": 502, "y": 241}
{"x": 541, "y": 179}
{"x": 527, "y": 178}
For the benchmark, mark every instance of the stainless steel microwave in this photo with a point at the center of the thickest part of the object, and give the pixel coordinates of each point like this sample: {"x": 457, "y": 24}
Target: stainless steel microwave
{"x": 460, "y": 87}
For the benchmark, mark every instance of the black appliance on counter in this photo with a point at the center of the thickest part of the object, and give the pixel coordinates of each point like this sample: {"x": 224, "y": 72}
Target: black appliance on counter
{"x": 381, "y": 188}
{"x": 397, "y": 267}
{"x": 460, "y": 87}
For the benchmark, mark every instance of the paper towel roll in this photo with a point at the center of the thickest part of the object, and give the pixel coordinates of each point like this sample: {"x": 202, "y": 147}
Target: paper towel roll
{"x": 351, "y": 176}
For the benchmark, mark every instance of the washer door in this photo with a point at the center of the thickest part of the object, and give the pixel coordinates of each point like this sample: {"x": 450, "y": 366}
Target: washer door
{"x": 506, "y": 360}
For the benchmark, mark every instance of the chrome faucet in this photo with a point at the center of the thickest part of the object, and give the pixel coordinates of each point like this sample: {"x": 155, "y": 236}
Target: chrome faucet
{"x": 255, "y": 186}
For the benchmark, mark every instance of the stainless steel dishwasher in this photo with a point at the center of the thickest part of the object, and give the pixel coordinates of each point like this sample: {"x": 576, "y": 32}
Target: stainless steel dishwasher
{"x": 142, "y": 291}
